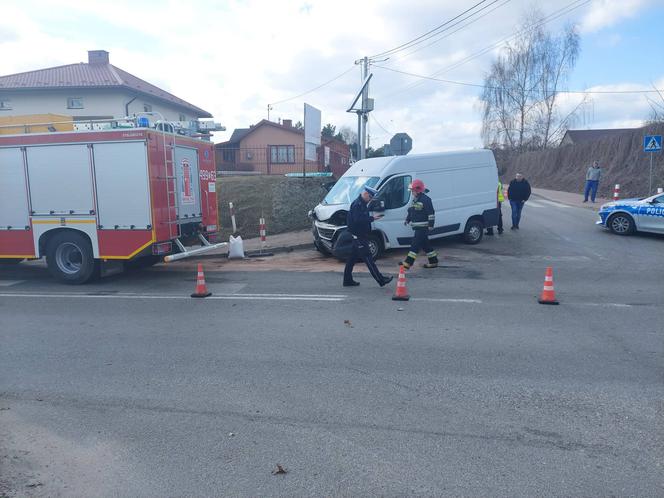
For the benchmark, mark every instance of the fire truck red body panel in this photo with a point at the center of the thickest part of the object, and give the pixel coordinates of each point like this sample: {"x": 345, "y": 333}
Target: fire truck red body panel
{"x": 124, "y": 189}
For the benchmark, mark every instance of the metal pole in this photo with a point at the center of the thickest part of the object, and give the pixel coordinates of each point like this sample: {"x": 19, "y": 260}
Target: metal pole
{"x": 650, "y": 180}
{"x": 365, "y": 105}
{"x": 359, "y": 135}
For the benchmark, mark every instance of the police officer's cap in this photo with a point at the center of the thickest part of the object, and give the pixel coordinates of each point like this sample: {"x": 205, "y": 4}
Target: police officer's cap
{"x": 371, "y": 191}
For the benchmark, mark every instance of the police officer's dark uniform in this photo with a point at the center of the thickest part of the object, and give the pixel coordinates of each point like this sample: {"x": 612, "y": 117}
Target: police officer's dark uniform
{"x": 422, "y": 218}
{"x": 359, "y": 225}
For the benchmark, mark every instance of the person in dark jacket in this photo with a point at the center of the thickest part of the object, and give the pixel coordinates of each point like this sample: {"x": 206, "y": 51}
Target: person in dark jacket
{"x": 422, "y": 219}
{"x": 359, "y": 225}
{"x": 518, "y": 193}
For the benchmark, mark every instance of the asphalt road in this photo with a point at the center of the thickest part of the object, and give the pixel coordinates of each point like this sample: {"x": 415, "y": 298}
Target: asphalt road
{"x": 128, "y": 387}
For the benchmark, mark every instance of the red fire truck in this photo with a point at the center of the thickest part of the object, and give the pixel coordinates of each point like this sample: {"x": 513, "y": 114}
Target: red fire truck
{"x": 82, "y": 198}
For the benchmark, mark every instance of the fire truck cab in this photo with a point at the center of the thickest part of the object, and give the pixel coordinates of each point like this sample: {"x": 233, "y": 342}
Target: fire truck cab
{"x": 82, "y": 198}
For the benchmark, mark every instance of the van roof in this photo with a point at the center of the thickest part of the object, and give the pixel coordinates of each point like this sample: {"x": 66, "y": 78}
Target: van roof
{"x": 384, "y": 166}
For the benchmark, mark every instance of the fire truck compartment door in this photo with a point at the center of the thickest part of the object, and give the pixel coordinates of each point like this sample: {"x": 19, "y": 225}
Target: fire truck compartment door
{"x": 13, "y": 194}
{"x": 123, "y": 190}
{"x": 188, "y": 184}
{"x": 60, "y": 179}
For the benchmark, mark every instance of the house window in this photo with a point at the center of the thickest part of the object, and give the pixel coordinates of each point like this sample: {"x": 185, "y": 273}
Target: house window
{"x": 282, "y": 154}
{"x": 183, "y": 117}
{"x": 5, "y": 105}
{"x": 229, "y": 155}
{"x": 147, "y": 108}
{"x": 74, "y": 103}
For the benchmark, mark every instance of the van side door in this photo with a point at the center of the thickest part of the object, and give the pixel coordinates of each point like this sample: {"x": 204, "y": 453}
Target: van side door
{"x": 394, "y": 197}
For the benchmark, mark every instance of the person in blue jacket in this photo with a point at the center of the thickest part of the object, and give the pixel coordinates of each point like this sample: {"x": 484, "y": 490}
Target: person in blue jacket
{"x": 359, "y": 225}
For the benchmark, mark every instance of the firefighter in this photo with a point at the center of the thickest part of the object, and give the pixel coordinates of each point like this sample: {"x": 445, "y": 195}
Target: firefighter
{"x": 359, "y": 225}
{"x": 422, "y": 218}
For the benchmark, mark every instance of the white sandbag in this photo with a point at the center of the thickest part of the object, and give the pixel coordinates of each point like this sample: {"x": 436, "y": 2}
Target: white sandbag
{"x": 235, "y": 247}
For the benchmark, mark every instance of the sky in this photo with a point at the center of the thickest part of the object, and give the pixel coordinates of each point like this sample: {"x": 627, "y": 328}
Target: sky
{"x": 233, "y": 58}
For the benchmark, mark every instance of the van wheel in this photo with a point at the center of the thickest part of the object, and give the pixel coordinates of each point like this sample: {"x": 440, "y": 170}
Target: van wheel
{"x": 474, "y": 232}
{"x": 70, "y": 260}
{"x": 375, "y": 246}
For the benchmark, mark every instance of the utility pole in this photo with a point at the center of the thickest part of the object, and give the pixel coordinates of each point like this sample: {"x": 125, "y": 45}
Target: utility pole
{"x": 366, "y": 105}
{"x": 365, "y": 110}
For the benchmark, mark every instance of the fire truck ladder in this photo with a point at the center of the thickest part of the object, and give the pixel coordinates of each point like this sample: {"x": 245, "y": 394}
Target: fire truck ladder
{"x": 171, "y": 181}
{"x": 171, "y": 190}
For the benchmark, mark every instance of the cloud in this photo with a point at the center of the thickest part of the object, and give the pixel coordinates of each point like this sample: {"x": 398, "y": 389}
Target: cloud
{"x": 607, "y": 13}
{"x": 232, "y": 58}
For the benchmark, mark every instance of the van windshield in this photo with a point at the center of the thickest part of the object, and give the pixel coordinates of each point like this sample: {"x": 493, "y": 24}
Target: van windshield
{"x": 348, "y": 188}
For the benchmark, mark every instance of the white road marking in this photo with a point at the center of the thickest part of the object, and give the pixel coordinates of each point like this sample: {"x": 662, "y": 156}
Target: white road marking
{"x": 273, "y": 297}
{"x": 613, "y": 305}
{"x": 534, "y": 204}
{"x": 444, "y": 300}
{"x": 228, "y": 297}
{"x": 9, "y": 283}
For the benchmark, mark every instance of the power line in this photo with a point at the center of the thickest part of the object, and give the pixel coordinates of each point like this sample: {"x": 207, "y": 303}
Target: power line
{"x": 380, "y": 125}
{"x": 423, "y": 37}
{"x": 551, "y": 17}
{"x": 446, "y": 35}
{"x": 489, "y": 87}
{"x": 315, "y": 88}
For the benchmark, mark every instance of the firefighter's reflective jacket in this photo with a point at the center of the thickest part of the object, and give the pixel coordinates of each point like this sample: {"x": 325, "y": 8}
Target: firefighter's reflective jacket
{"x": 421, "y": 213}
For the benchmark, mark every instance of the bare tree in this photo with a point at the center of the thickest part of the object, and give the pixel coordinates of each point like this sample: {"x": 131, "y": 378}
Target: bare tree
{"x": 350, "y": 137}
{"x": 656, "y": 108}
{"x": 558, "y": 55}
{"x": 520, "y": 91}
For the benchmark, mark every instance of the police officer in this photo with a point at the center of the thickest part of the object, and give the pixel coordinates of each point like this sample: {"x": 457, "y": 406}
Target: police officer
{"x": 359, "y": 225}
{"x": 422, "y": 218}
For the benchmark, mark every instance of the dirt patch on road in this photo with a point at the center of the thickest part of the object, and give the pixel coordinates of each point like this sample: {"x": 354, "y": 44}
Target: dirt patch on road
{"x": 309, "y": 260}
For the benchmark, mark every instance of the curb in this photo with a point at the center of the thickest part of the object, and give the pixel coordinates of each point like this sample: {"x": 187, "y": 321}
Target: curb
{"x": 592, "y": 207}
{"x": 274, "y": 250}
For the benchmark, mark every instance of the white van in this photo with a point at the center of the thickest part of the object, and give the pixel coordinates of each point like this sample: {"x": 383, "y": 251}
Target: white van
{"x": 462, "y": 186}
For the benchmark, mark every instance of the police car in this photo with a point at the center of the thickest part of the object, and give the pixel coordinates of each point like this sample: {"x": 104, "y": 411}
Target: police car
{"x": 627, "y": 216}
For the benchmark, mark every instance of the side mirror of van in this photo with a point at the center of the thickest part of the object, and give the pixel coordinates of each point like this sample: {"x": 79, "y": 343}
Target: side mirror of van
{"x": 328, "y": 185}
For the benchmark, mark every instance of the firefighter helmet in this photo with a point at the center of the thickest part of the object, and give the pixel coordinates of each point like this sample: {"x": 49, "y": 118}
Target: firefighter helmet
{"x": 417, "y": 186}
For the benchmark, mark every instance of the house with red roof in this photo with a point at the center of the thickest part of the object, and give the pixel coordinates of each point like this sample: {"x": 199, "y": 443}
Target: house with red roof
{"x": 89, "y": 91}
{"x": 277, "y": 148}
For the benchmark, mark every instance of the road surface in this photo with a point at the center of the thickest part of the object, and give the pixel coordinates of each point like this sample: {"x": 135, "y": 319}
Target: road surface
{"x": 128, "y": 387}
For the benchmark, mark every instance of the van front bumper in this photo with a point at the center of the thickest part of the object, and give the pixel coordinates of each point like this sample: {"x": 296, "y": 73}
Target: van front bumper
{"x": 325, "y": 234}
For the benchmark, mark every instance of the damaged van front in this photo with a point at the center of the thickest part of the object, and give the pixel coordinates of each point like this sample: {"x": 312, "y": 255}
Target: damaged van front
{"x": 329, "y": 217}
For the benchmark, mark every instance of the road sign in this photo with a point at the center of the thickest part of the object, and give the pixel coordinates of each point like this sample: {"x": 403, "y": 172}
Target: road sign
{"x": 652, "y": 143}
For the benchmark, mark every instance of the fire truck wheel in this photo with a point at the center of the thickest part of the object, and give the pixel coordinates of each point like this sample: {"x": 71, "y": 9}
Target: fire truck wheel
{"x": 69, "y": 258}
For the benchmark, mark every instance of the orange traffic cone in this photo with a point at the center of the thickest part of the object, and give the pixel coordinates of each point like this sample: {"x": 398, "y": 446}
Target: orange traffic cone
{"x": 548, "y": 294}
{"x": 401, "y": 292}
{"x": 201, "y": 288}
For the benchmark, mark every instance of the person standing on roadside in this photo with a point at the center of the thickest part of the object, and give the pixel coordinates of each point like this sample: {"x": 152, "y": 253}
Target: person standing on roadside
{"x": 518, "y": 193}
{"x": 500, "y": 199}
{"x": 359, "y": 225}
{"x": 592, "y": 181}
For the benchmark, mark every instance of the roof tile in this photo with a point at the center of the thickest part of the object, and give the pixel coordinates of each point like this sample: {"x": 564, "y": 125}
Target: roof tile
{"x": 84, "y": 75}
